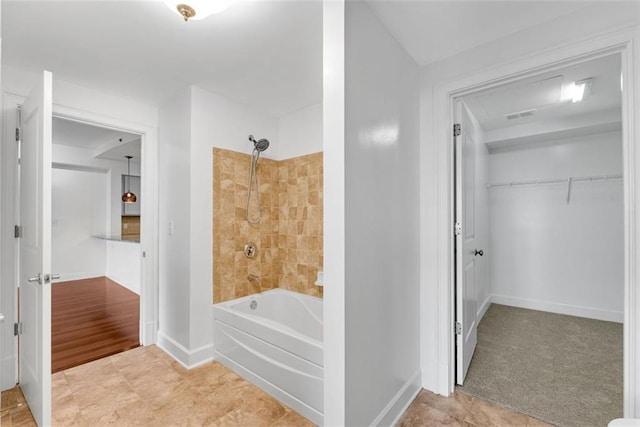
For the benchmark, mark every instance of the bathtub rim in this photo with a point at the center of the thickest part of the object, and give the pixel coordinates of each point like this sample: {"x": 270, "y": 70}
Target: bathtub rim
{"x": 269, "y": 291}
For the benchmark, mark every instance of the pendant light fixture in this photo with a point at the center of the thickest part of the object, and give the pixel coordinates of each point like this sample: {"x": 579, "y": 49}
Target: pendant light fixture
{"x": 197, "y": 9}
{"x": 129, "y": 197}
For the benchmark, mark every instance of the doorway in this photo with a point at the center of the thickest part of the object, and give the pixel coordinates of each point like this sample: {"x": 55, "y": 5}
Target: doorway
{"x": 437, "y": 296}
{"x": 95, "y": 242}
{"x": 539, "y": 185}
{"x": 13, "y": 372}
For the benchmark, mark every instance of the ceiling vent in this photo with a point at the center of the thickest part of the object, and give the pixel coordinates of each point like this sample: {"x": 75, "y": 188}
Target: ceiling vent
{"x": 520, "y": 114}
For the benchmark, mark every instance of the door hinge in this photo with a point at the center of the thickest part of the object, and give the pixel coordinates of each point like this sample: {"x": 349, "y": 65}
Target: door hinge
{"x": 17, "y": 329}
{"x": 457, "y": 229}
{"x": 456, "y": 129}
{"x": 458, "y": 328}
{"x": 18, "y": 134}
{"x": 17, "y": 231}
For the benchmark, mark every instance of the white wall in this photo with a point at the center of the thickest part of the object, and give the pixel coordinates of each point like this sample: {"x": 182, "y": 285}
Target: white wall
{"x": 123, "y": 264}
{"x": 300, "y": 133}
{"x": 215, "y": 122}
{"x": 193, "y": 123}
{"x": 92, "y": 100}
{"x": 220, "y": 122}
{"x": 333, "y": 158}
{"x": 517, "y": 52}
{"x": 73, "y": 157}
{"x": 294, "y": 134}
{"x": 381, "y": 221}
{"x": 79, "y": 212}
{"x": 75, "y": 253}
{"x": 552, "y": 255}
{"x": 175, "y": 198}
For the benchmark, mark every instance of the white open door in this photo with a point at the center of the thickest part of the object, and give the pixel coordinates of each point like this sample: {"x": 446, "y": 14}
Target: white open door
{"x": 35, "y": 250}
{"x": 466, "y": 251}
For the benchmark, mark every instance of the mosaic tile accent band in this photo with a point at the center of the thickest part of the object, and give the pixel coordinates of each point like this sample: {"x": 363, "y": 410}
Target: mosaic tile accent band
{"x": 289, "y": 235}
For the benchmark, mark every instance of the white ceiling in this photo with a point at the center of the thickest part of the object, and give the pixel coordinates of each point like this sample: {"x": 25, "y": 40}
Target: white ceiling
{"x": 82, "y": 135}
{"x": 547, "y": 94}
{"x": 419, "y": 26}
{"x": 132, "y": 148}
{"x": 262, "y": 53}
{"x": 102, "y": 142}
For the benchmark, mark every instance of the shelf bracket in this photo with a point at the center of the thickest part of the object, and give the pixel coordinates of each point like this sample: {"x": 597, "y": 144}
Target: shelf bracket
{"x": 569, "y": 182}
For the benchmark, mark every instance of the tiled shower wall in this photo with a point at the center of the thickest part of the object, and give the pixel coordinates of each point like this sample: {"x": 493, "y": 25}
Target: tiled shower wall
{"x": 300, "y": 223}
{"x": 289, "y": 236}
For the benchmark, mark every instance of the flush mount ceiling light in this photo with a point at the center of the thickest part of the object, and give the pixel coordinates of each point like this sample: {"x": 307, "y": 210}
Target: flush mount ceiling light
{"x": 197, "y": 9}
{"x": 128, "y": 197}
{"x": 577, "y": 91}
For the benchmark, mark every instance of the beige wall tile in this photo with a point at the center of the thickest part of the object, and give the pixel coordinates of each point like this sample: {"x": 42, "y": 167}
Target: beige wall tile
{"x": 289, "y": 236}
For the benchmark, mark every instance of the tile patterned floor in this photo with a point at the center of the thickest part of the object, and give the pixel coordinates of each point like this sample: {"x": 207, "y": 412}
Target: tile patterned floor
{"x": 146, "y": 387}
{"x": 15, "y": 411}
{"x": 429, "y": 409}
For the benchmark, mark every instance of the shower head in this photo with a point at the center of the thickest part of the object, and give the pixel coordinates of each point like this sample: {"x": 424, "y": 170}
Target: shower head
{"x": 259, "y": 145}
{"x": 262, "y": 144}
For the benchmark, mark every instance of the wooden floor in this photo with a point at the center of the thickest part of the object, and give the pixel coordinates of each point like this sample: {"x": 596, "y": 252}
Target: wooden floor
{"x": 91, "y": 319}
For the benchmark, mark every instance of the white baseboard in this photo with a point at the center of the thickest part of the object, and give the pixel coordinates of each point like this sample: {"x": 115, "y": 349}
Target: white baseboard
{"x": 65, "y": 277}
{"x": 552, "y": 307}
{"x": 429, "y": 379}
{"x": 125, "y": 282}
{"x": 436, "y": 380}
{"x": 187, "y": 358}
{"x": 483, "y": 309}
{"x": 148, "y": 333}
{"x": 393, "y": 411}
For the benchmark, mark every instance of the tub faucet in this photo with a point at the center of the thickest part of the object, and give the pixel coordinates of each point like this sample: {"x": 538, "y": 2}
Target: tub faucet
{"x": 255, "y": 279}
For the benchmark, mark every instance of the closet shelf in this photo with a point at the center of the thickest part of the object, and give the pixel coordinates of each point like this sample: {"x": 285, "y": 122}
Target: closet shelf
{"x": 554, "y": 181}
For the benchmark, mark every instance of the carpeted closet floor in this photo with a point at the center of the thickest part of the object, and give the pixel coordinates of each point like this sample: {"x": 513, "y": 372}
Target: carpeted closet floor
{"x": 564, "y": 370}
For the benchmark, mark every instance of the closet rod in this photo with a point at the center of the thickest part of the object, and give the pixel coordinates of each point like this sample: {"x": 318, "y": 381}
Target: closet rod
{"x": 554, "y": 181}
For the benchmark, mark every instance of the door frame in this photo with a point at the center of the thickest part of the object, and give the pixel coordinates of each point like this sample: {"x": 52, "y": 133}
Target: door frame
{"x": 622, "y": 42}
{"x": 149, "y": 211}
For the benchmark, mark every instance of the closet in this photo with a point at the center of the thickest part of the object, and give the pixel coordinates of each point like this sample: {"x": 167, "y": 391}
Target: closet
{"x": 547, "y": 207}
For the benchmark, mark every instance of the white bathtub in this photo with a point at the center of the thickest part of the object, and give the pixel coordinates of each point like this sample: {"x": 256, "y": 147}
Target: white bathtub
{"x": 276, "y": 345}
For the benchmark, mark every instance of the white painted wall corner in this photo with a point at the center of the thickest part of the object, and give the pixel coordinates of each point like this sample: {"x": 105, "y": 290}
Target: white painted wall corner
{"x": 395, "y": 409}
{"x": 188, "y": 358}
